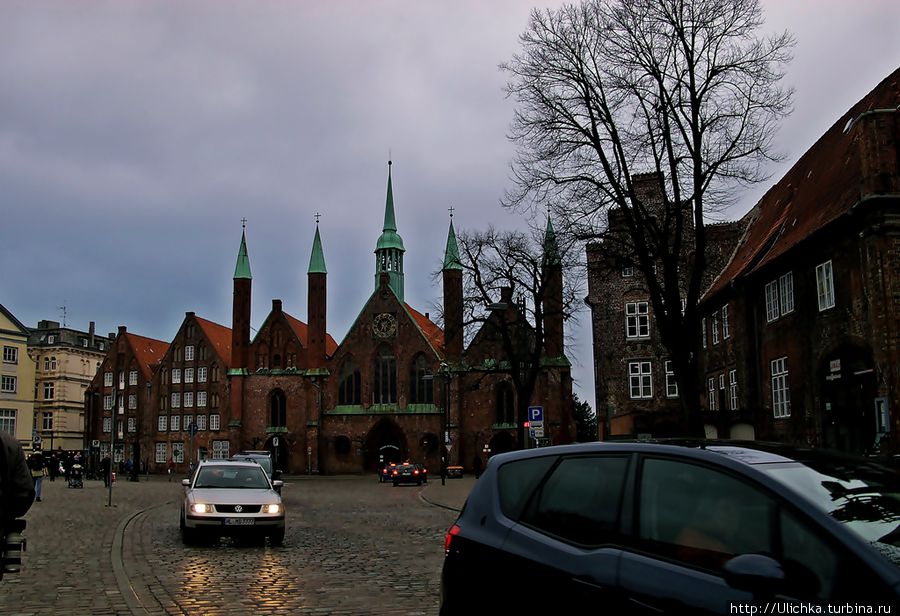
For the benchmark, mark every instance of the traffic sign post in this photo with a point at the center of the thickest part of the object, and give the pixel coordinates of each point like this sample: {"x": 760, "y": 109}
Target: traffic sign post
{"x": 536, "y": 422}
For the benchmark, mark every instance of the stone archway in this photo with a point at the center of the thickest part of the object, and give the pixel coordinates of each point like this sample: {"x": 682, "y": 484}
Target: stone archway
{"x": 847, "y": 388}
{"x": 385, "y": 442}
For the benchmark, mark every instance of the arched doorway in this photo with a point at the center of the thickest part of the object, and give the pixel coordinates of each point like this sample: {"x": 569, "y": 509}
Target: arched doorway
{"x": 848, "y": 388}
{"x": 502, "y": 442}
{"x": 385, "y": 442}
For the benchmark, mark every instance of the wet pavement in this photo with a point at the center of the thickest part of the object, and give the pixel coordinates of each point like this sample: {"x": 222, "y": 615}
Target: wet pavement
{"x": 353, "y": 546}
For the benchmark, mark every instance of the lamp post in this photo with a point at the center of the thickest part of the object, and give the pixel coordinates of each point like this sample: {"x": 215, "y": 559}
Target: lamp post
{"x": 444, "y": 371}
{"x": 112, "y": 438}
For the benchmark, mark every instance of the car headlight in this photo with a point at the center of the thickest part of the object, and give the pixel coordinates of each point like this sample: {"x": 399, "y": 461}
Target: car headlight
{"x": 201, "y": 508}
{"x": 273, "y": 508}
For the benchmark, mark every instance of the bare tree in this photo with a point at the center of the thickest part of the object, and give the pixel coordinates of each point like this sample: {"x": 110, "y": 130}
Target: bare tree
{"x": 508, "y": 288}
{"x": 682, "y": 90}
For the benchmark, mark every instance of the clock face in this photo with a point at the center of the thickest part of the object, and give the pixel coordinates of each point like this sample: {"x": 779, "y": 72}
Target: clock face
{"x": 384, "y": 325}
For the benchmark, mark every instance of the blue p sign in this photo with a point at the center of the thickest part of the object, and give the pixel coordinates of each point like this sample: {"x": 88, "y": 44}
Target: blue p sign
{"x": 535, "y": 414}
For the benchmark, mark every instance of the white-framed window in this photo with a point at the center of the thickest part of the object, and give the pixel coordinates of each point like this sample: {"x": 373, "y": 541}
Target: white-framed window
{"x": 107, "y": 379}
{"x": 175, "y": 425}
{"x": 772, "y": 301}
{"x": 161, "y": 451}
{"x": 107, "y": 403}
{"x": 825, "y": 285}
{"x": 8, "y": 384}
{"x": 627, "y": 272}
{"x": 188, "y": 375}
{"x": 10, "y": 355}
{"x": 786, "y": 293}
{"x": 8, "y": 420}
{"x": 132, "y": 377}
{"x": 726, "y": 328}
{"x": 189, "y": 353}
{"x": 132, "y": 424}
{"x": 711, "y": 393}
{"x": 715, "y": 327}
{"x": 176, "y": 375}
{"x": 640, "y": 380}
{"x": 107, "y": 424}
{"x": 220, "y": 450}
{"x": 178, "y": 453}
{"x": 49, "y": 391}
{"x": 733, "y": 389}
{"x": 162, "y": 424}
{"x": 51, "y": 339}
{"x": 703, "y": 332}
{"x": 201, "y": 422}
{"x": 201, "y": 399}
{"x": 121, "y": 379}
{"x": 201, "y": 374}
{"x": 188, "y": 399}
{"x": 132, "y": 401}
{"x": 214, "y": 423}
{"x": 121, "y": 405}
{"x": 47, "y": 423}
{"x": 781, "y": 394}
{"x": 176, "y": 400}
{"x": 671, "y": 383}
{"x": 120, "y": 428}
{"x": 637, "y": 320}
{"x": 186, "y": 422}
{"x": 101, "y": 346}
{"x": 84, "y": 342}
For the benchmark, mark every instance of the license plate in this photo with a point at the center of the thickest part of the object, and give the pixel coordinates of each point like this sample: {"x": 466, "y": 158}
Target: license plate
{"x": 239, "y": 521}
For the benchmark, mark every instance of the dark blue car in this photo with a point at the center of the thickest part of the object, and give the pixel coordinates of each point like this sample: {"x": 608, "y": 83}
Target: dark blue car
{"x": 674, "y": 528}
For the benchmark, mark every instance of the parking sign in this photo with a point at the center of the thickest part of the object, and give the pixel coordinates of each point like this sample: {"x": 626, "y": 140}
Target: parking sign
{"x": 535, "y": 416}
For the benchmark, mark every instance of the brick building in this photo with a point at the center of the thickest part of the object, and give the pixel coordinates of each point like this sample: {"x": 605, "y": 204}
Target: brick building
{"x": 800, "y": 324}
{"x": 388, "y": 391}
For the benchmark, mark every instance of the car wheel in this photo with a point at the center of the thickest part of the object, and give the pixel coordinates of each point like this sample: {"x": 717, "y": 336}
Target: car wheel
{"x": 277, "y": 538}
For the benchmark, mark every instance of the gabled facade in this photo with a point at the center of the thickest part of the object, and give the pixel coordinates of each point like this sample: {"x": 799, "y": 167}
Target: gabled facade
{"x": 16, "y": 379}
{"x": 811, "y": 295}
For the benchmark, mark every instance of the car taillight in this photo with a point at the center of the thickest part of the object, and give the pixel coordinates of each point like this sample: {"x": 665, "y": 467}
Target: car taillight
{"x": 395, "y": 472}
{"x": 416, "y": 472}
{"x": 454, "y": 530}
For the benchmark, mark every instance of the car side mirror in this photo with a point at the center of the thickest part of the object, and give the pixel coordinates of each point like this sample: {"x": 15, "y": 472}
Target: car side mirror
{"x": 278, "y": 483}
{"x": 755, "y": 573}
{"x": 186, "y": 482}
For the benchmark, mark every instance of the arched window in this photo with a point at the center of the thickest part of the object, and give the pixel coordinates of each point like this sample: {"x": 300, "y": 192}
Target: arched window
{"x": 505, "y": 404}
{"x": 421, "y": 389}
{"x": 276, "y": 361}
{"x": 277, "y": 410}
{"x": 384, "y": 385}
{"x": 348, "y": 389}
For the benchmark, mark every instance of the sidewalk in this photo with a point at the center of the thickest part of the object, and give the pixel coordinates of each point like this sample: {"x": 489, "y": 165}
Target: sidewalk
{"x": 450, "y": 496}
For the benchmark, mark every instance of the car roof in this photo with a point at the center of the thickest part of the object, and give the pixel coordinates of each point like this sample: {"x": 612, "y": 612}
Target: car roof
{"x": 229, "y": 462}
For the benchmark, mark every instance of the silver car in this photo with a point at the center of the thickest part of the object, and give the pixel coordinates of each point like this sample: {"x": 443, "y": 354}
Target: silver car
{"x": 230, "y": 498}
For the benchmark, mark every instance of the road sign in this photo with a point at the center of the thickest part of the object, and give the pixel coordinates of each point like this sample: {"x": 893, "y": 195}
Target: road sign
{"x": 36, "y": 440}
{"x": 274, "y": 441}
{"x": 95, "y": 443}
{"x": 535, "y": 416}
{"x": 538, "y": 432}
{"x": 309, "y": 450}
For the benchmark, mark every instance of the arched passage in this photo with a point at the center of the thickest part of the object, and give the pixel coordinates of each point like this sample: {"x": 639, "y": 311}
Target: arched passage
{"x": 385, "y": 442}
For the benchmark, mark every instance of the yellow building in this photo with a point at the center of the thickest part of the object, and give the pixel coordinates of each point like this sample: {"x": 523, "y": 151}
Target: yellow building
{"x": 66, "y": 361}
{"x": 16, "y": 379}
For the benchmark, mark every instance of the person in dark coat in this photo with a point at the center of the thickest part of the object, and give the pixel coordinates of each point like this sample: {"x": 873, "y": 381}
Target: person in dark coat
{"x": 36, "y": 466}
{"x": 105, "y": 464}
{"x": 16, "y": 486}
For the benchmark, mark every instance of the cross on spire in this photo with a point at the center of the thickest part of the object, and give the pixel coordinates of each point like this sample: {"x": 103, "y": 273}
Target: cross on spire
{"x": 450, "y": 209}
{"x": 317, "y": 217}
{"x": 243, "y": 223}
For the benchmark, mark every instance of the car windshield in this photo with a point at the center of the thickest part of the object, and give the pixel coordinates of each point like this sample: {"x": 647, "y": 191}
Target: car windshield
{"x": 864, "y": 497}
{"x": 242, "y": 477}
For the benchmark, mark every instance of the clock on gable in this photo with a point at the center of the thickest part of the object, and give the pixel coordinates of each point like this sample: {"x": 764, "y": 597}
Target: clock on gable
{"x": 384, "y": 325}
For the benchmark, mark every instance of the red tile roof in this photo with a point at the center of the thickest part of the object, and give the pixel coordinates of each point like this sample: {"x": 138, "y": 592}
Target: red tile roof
{"x": 302, "y": 330}
{"x": 432, "y": 333}
{"x": 823, "y": 185}
{"x": 147, "y": 351}
{"x": 219, "y": 336}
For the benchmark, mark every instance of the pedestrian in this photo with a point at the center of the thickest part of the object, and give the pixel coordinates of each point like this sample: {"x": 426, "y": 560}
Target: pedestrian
{"x": 53, "y": 467}
{"x": 476, "y": 466}
{"x": 105, "y": 466}
{"x": 16, "y": 485}
{"x": 36, "y": 465}
{"x": 170, "y": 468}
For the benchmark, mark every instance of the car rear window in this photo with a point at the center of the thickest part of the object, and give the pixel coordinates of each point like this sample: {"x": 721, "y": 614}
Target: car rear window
{"x": 517, "y": 480}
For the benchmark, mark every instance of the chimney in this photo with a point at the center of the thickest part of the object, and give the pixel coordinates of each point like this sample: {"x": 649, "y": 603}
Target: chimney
{"x": 91, "y": 334}
{"x": 506, "y": 295}
{"x": 427, "y": 316}
{"x": 276, "y": 305}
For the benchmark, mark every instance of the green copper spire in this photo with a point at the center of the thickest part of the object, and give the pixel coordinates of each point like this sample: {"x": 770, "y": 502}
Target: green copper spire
{"x": 317, "y": 258}
{"x": 389, "y": 249}
{"x": 551, "y": 249}
{"x": 451, "y": 254}
{"x": 242, "y": 269}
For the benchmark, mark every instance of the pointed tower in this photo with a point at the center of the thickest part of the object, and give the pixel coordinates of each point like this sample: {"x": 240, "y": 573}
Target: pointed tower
{"x": 240, "y": 327}
{"x": 553, "y": 294}
{"x": 389, "y": 250}
{"x": 316, "y": 302}
{"x": 453, "y": 296}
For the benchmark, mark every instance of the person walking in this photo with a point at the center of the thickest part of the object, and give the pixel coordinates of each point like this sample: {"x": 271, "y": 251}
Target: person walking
{"x": 36, "y": 465}
{"x": 16, "y": 485}
{"x": 105, "y": 465}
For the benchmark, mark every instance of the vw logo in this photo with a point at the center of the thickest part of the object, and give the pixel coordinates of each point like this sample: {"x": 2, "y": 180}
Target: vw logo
{"x": 238, "y": 508}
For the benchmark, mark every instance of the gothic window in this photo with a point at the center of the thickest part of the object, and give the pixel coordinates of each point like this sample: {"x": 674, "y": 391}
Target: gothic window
{"x": 505, "y": 404}
{"x": 348, "y": 389}
{"x": 277, "y": 409}
{"x": 384, "y": 386}
{"x": 276, "y": 361}
{"x": 421, "y": 390}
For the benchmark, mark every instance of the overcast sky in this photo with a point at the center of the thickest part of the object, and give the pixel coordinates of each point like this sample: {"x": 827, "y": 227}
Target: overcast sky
{"x": 134, "y": 136}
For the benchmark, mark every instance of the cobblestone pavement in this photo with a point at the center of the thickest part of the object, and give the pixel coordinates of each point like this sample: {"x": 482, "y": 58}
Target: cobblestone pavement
{"x": 353, "y": 546}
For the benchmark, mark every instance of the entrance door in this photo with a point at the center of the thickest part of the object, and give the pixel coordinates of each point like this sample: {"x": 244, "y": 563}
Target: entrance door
{"x": 849, "y": 389}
